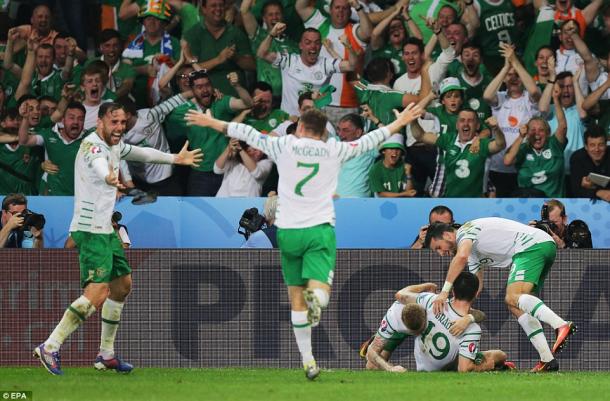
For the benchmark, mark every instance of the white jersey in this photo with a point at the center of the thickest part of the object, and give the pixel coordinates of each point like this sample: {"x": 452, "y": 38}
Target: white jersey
{"x": 511, "y": 114}
{"x": 148, "y": 133}
{"x": 496, "y": 240}
{"x": 308, "y": 171}
{"x": 94, "y": 199}
{"x": 392, "y": 322}
{"x": 436, "y": 348}
{"x": 298, "y": 78}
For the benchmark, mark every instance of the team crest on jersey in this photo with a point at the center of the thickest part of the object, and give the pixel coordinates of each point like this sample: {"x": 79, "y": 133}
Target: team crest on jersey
{"x": 472, "y": 347}
{"x": 272, "y": 122}
{"x": 547, "y": 154}
{"x": 474, "y": 104}
{"x": 318, "y": 75}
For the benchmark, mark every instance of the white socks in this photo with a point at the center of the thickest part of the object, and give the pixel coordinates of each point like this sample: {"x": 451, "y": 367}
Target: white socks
{"x": 302, "y": 333}
{"x": 111, "y": 316}
{"x": 323, "y": 297}
{"x": 76, "y": 313}
{"x": 534, "y": 332}
{"x": 535, "y": 307}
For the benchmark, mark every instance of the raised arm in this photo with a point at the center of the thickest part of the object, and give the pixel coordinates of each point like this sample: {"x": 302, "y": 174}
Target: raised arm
{"x": 366, "y": 27}
{"x": 499, "y": 142}
{"x": 128, "y": 9}
{"x": 591, "y": 64}
{"x": 592, "y": 100}
{"x": 456, "y": 266}
{"x": 304, "y": 9}
{"x": 578, "y": 97}
{"x": 511, "y": 155}
{"x": 263, "y": 51}
{"x": 490, "y": 95}
{"x": 429, "y": 138}
{"x": 352, "y": 59}
{"x": 590, "y": 11}
{"x": 470, "y": 18}
{"x": 526, "y": 78}
{"x": 150, "y": 155}
{"x": 28, "y": 70}
{"x": 562, "y": 124}
{"x": 8, "y": 64}
{"x": 66, "y": 71}
{"x": 377, "y": 36}
{"x": 544, "y": 105}
{"x": 247, "y": 18}
{"x": 245, "y": 100}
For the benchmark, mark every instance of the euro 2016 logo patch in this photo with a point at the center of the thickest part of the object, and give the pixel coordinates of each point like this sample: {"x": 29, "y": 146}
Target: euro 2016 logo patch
{"x": 95, "y": 150}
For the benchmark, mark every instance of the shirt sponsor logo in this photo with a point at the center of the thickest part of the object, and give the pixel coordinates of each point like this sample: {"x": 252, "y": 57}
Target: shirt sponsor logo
{"x": 513, "y": 121}
{"x": 529, "y": 157}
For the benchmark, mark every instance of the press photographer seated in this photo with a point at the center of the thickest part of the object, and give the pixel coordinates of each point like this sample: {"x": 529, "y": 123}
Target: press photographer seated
{"x": 20, "y": 227}
{"x": 264, "y": 237}
{"x": 554, "y": 220}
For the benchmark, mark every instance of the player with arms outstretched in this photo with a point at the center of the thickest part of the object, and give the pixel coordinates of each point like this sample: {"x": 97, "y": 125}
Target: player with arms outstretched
{"x": 104, "y": 271}
{"x": 308, "y": 167}
{"x": 498, "y": 242}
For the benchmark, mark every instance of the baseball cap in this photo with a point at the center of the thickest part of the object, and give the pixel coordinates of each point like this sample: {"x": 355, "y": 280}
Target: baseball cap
{"x": 396, "y": 141}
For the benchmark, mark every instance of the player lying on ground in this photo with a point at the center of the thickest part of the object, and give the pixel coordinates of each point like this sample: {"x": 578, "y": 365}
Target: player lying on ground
{"x": 104, "y": 272}
{"x": 497, "y": 242}
{"x": 308, "y": 167}
{"x": 445, "y": 341}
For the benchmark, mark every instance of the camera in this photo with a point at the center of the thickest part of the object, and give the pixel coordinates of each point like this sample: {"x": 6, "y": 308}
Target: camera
{"x": 578, "y": 235}
{"x": 545, "y": 224}
{"x": 251, "y": 221}
{"x": 31, "y": 219}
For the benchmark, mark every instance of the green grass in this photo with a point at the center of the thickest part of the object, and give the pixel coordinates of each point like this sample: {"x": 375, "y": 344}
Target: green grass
{"x": 85, "y": 384}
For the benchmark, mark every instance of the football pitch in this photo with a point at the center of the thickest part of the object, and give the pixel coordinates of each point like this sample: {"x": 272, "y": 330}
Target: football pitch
{"x": 86, "y": 384}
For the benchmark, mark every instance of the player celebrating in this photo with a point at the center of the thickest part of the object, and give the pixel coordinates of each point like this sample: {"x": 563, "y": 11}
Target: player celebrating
{"x": 443, "y": 341}
{"x": 498, "y": 242}
{"x": 308, "y": 167}
{"x": 104, "y": 271}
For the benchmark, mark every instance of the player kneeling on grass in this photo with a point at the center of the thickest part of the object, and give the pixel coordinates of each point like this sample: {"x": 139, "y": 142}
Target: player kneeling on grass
{"x": 445, "y": 341}
{"x": 309, "y": 168}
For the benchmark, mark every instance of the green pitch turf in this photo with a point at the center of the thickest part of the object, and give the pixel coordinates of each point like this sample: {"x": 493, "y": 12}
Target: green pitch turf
{"x": 85, "y": 384}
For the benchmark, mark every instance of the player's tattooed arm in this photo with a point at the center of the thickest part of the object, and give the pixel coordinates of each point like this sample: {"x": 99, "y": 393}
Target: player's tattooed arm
{"x": 374, "y": 360}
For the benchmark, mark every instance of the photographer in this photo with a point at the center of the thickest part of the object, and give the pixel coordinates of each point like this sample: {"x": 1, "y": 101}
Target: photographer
{"x": 438, "y": 214}
{"x": 554, "y": 220}
{"x": 266, "y": 237}
{"x": 19, "y": 227}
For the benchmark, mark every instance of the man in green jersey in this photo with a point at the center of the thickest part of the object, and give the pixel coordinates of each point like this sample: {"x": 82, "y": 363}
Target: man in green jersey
{"x": 272, "y": 13}
{"x": 464, "y": 165}
{"x": 104, "y": 271}
{"x": 61, "y": 143}
{"x": 202, "y": 181}
{"x": 262, "y": 116}
{"x": 390, "y": 177}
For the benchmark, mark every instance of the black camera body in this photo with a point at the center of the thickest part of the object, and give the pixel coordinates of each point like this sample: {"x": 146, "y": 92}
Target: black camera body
{"x": 544, "y": 223}
{"x": 578, "y": 235}
{"x": 251, "y": 221}
{"x": 31, "y": 219}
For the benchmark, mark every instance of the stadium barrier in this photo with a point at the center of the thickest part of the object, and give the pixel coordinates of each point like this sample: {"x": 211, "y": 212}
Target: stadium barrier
{"x": 194, "y": 222}
{"x": 220, "y": 308}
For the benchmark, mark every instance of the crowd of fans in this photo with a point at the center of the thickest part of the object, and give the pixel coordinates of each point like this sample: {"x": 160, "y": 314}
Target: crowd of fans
{"x": 517, "y": 93}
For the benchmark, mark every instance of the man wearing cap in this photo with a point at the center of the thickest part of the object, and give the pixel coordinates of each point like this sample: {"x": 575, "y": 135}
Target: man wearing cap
{"x": 464, "y": 165}
{"x": 152, "y": 45}
{"x": 391, "y": 177}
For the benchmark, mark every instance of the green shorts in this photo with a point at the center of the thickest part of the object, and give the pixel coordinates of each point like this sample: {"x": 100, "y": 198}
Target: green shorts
{"x": 101, "y": 257}
{"x": 533, "y": 264}
{"x": 307, "y": 254}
